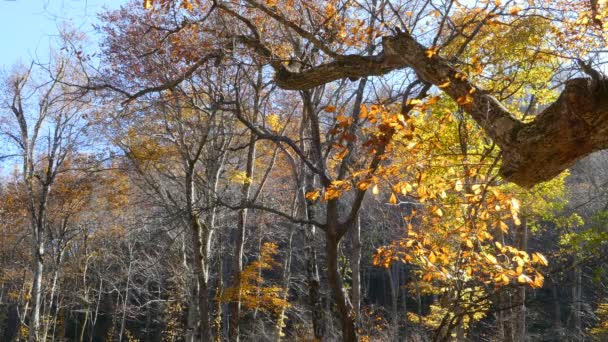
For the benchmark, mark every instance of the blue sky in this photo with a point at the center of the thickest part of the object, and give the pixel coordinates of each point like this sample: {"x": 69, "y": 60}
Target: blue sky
{"x": 27, "y": 26}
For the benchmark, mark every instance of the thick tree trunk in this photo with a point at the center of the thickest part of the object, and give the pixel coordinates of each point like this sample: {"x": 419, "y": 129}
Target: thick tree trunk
{"x": 345, "y": 310}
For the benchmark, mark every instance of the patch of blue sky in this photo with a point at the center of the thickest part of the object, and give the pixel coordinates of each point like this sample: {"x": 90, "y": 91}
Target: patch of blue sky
{"x": 28, "y": 27}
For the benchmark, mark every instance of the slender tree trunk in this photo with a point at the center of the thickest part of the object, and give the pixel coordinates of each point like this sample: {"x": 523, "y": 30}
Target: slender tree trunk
{"x": 95, "y": 315}
{"x": 576, "y": 303}
{"x": 557, "y": 312}
{"x": 192, "y": 297}
{"x": 286, "y": 279}
{"x": 235, "y": 306}
{"x": 394, "y": 280}
{"x": 50, "y": 310}
{"x": 355, "y": 265}
{"x": 36, "y": 295}
{"x": 312, "y": 270}
{"x": 520, "y": 296}
{"x": 83, "y": 329}
{"x": 219, "y": 292}
{"x": 126, "y": 299}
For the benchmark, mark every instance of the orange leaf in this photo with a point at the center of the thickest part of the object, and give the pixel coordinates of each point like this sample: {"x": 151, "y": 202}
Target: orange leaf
{"x": 313, "y": 195}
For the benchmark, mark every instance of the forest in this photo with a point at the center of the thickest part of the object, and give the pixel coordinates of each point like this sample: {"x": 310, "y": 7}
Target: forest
{"x": 308, "y": 170}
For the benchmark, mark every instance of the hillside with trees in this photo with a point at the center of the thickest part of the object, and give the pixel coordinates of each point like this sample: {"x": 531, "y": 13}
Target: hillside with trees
{"x": 306, "y": 170}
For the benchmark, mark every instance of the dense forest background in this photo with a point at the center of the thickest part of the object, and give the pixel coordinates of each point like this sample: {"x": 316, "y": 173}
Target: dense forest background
{"x": 274, "y": 170}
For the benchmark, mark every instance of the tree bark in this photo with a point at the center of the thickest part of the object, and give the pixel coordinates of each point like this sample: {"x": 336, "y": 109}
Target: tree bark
{"x": 575, "y": 125}
{"x": 340, "y": 296}
{"x": 36, "y": 296}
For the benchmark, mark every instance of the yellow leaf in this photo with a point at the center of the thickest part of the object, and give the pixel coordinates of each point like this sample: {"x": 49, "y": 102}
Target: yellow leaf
{"x": 147, "y": 4}
{"x": 433, "y": 100}
{"x": 491, "y": 258}
{"x": 538, "y": 280}
{"x": 522, "y": 279}
{"x": 375, "y": 189}
{"x": 458, "y": 185}
{"x": 274, "y": 122}
{"x": 422, "y": 192}
{"x": 463, "y": 100}
{"x": 503, "y": 226}
{"x": 363, "y": 112}
{"x": 393, "y": 199}
{"x": 516, "y": 220}
{"x": 540, "y": 259}
{"x": 431, "y": 52}
{"x": 437, "y": 211}
{"x": 413, "y": 102}
{"x": 444, "y": 84}
{"x": 515, "y": 204}
{"x": 364, "y": 184}
{"x": 313, "y": 195}
{"x": 432, "y": 257}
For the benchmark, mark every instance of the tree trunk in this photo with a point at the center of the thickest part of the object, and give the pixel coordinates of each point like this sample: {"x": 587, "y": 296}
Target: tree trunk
{"x": 355, "y": 265}
{"x": 312, "y": 270}
{"x": 199, "y": 233}
{"x": 192, "y": 297}
{"x": 36, "y": 295}
{"x": 286, "y": 279}
{"x": 126, "y": 298}
{"x": 50, "y": 311}
{"x": 520, "y": 295}
{"x": 345, "y": 309}
{"x": 394, "y": 283}
{"x": 576, "y": 303}
{"x": 557, "y": 312}
{"x": 235, "y": 306}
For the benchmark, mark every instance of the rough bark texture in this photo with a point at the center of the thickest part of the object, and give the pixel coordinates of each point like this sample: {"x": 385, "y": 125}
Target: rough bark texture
{"x": 571, "y": 128}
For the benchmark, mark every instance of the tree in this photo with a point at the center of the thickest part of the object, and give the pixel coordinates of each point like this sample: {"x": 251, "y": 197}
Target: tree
{"x": 328, "y": 47}
{"x": 35, "y": 102}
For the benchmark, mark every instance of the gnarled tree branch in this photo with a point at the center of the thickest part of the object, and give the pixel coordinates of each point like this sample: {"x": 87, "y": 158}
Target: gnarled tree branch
{"x": 571, "y": 128}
